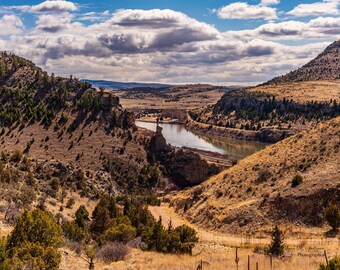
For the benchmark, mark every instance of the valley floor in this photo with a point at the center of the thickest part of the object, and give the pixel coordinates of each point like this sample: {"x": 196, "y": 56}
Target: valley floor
{"x": 217, "y": 250}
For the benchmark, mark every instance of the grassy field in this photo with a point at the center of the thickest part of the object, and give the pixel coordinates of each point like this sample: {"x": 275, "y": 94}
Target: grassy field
{"x": 303, "y": 91}
{"x": 179, "y": 97}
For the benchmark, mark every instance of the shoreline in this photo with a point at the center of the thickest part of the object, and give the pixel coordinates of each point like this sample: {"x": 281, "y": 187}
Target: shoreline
{"x": 265, "y": 135}
{"x": 269, "y": 136}
{"x": 153, "y": 120}
{"x": 217, "y": 158}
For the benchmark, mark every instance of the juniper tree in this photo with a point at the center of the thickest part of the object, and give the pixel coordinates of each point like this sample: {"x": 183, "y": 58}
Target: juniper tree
{"x": 333, "y": 216}
{"x": 276, "y": 247}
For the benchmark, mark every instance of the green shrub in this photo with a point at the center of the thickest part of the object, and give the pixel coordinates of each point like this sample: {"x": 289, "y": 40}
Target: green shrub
{"x": 34, "y": 254}
{"x": 37, "y": 226}
{"x": 152, "y": 200}
{"x": 187, "y": 239}
{"x": 297, "y": 180}
{"x": 73, "y": 232}
{"x": 332, "y": 214}
{"x": 35, "y": 241}
{"x": 70, "y": 203}
{"x": 54, "y": 185}
{"x": 334, "y": 264}
{"x": 121, "y": 233}
{"x": 82, "y": 215}
{"x": 101, "y": 219}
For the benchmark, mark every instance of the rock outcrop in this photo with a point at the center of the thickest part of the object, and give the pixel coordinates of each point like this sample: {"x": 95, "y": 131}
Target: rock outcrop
{"x": 184, "y": 167}
{"x": 158, "y": 143}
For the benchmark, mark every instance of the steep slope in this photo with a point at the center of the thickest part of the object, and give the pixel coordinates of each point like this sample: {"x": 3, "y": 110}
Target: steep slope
{"x": 49, "y": 117}
{"x": 281, "y": 107}
{"x": 326, "y": 66}
{"x": 258, "y": 193}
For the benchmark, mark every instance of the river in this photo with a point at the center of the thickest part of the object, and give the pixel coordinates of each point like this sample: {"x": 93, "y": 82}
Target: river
{"x": 179, "y": 136}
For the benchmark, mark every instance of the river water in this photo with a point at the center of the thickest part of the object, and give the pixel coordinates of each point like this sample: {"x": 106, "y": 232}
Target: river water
{"x": 179, "y": 136}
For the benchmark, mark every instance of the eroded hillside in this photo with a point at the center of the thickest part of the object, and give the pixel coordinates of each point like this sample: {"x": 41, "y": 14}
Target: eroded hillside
{"x": 50, "y": 117}
{"x": 279, "y": 108}
{"x": 266, "y": 188}
{"x": 324, "y": 67}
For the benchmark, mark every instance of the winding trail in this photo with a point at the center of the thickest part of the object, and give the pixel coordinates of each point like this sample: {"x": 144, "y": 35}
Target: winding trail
{"x": 167, "y": 213}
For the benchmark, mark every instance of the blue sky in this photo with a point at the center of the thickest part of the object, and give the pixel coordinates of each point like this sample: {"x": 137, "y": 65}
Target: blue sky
{"x": 174, "y": 41}
{"x": 199, "y": 9}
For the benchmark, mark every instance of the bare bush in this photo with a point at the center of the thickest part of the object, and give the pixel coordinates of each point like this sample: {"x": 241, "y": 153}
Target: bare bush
{"x": 113, "y": 252}
{"x": 12, "y": 212}
{"x": 263, "y": 176}
{"x": 76, "y": 247}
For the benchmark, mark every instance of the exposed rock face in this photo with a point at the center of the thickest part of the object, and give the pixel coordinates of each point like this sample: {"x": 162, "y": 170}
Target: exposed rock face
{"x": 158, "y": 143}
{"x": 184, "y": 167}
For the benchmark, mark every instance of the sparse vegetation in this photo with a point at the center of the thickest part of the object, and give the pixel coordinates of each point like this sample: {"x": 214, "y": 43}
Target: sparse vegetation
{"x": 276, "y": 247}
{"x": 297, "y": 180}
{"x": 263, "y": 175}
{"x": 111, "y": 162}
{"x": 334, "y": 264}
{"x": 113, "y": 252}
{"x": 332, "y": 214}
{"x": 70, "y": 203}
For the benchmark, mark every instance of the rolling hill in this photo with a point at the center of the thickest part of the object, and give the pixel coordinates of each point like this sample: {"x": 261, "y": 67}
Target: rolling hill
{"x": 123, "y": 85}
{"x": 282, "y": 107}
{"x": 289, "y": 183}
{"x": 63, "y": 119}
{"x": 54, "y": 118}
{"x": 259, "y": 191}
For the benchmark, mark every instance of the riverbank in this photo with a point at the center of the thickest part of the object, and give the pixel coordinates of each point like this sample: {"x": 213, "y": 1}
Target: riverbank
{"x": 221, "y": 160}
{"x": 263, "y": 135}
{"x": 153, "y": 119}
{"x": 212, "y": 157}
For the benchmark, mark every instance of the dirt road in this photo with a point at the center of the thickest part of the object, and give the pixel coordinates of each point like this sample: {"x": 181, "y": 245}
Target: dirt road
{"x": 167, "y": 213}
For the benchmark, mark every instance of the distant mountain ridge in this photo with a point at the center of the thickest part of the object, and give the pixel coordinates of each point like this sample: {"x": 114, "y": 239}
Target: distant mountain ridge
{"x": 326, "y": 66}
{"x": 124, "y": 85}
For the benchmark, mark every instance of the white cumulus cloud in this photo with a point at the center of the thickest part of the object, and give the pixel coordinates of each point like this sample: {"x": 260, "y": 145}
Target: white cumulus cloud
{"x": 326, "y": 7}
{"x": 10, "y": 25}
{"x": 54, "y": 6}
{"x": 270, "y": 2}
{"x": 162, "y": 45}
{"x": 242, "y": 10}
{"x": 319, "y": 28}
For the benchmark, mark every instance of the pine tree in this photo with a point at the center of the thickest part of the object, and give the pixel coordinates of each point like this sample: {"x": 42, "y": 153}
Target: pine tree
{"x": 82, "y": 215}
{"x": 276, "y": 247}
{"x": 101, "y": 220}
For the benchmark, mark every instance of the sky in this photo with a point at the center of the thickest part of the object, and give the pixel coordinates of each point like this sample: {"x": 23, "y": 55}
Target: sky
{"x": 243, "y": 42}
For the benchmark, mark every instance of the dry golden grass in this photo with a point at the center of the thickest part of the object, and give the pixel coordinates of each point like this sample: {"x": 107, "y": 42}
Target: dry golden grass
{"x": 303, "y": 91}
{"x": 214, "y": 257}
{"x": 94, "y": 143}
{"x": 53, "y": 205}
{"x": 235, "y": 201}
{"x": 189, "y": 97}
